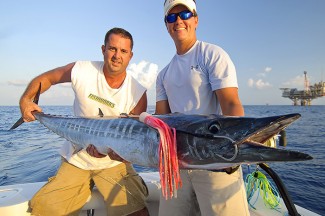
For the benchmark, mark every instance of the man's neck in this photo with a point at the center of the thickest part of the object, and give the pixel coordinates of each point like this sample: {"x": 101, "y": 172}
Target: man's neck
{"x": 115, "y": 80}
{"x": 183, "y": 47}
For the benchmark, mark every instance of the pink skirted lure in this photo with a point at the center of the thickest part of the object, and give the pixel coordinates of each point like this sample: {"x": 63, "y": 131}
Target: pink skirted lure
{"x": 168, "y": 162}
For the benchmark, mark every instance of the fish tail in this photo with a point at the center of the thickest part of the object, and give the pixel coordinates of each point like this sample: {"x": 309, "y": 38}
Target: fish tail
{"x": 36, "y": 98}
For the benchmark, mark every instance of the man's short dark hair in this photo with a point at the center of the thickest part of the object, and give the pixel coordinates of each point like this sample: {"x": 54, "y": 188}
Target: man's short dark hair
{"x": 119, "y": 31}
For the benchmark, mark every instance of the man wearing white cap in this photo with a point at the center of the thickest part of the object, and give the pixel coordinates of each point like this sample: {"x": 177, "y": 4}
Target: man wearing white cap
{"x": 200, "y": 79}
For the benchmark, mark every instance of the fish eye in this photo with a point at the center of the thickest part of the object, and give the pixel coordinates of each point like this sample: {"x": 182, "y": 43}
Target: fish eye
{"x": 214, "y": 127}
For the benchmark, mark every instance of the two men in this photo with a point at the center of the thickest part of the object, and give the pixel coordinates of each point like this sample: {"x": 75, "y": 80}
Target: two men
{"x": 200, "y": 79}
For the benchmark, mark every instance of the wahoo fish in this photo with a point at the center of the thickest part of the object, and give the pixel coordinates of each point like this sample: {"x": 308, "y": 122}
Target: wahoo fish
{"x": 209, "y": 142}
{"x": 203, "y": 141}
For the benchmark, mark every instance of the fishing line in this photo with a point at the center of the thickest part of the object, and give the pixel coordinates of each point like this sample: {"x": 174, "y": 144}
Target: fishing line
{"x": 210, "y": 136}
{"x": 232, "y": 158}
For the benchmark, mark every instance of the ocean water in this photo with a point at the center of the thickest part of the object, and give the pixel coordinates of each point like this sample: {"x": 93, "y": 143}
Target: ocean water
{"x": 30, "y": 152}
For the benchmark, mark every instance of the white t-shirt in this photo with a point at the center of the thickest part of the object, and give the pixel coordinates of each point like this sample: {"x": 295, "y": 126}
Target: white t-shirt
{"x": 188, "y": 82}
{"x": 91, "y": 93}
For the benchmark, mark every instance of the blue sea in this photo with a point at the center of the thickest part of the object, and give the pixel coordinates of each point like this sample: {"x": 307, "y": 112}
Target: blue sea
{"x": 30, "y": 152}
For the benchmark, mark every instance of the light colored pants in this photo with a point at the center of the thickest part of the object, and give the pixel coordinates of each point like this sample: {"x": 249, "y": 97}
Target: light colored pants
{"x": 217, "y": 193}
{"x": 65, "y": 194}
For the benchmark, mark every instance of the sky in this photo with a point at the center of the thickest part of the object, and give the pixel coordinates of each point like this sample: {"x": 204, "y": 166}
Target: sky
{"x": 271, "y": 43}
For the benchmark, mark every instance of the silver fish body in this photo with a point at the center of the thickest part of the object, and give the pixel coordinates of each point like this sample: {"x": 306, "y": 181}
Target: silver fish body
{"x": 203, "y": 142}
{"x": 131, "y": 139}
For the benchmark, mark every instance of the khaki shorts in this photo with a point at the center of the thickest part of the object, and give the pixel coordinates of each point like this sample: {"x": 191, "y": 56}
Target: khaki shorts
{"x": 208, "y": 193}
{"x": 123, "y": 190}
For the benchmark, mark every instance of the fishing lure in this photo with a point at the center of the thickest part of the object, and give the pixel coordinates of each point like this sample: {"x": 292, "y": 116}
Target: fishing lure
{"x": 257, "y": 182}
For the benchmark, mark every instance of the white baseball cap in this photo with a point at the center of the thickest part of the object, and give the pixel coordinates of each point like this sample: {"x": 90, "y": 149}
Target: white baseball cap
{"x": 169, "y": 4}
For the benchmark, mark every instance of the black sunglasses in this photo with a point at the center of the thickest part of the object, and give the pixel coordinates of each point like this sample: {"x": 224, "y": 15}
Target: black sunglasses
{"x": 184, "y": 15}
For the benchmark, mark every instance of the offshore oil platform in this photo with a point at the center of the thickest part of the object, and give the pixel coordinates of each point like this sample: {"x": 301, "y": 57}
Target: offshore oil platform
{"x": 305, "y": 96}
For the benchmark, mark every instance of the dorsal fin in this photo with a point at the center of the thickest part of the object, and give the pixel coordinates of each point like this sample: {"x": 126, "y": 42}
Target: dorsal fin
{"x": 100, "y": 113}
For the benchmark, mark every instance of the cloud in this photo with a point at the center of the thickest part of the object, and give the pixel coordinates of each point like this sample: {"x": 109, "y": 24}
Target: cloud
{"x": 265, "y": 72}
{"x": 258, "y": 84}
{"x": 24, "y": 83}
{"x": 261, "y": 75}
{"x": 18, "y": 82}
{"x": 250, "y": 83}
{"x": 296, "y": 82}
{"x": 65, "y": 85}
{"x": 268, "y": 69}
{"x": 145, "y": 72}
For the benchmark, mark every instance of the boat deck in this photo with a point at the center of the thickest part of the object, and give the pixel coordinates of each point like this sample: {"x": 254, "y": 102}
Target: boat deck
{"x": 14, "y": 200}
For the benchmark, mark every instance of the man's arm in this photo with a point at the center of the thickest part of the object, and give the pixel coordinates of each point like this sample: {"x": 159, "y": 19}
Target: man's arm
{"x": 47, "y": 79}
{"x": 141, "y": 105}
{"x": 162, "y": 107}
{"x": 230, "y": 102}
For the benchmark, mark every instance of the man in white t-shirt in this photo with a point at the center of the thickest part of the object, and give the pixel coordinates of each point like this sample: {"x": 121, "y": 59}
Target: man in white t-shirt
{"x": 200, "y": 79}
{"x": 103, "y": 85}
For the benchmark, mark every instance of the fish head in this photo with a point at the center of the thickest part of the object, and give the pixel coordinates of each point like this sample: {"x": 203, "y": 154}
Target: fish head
{"x": 236, "y": 130}
{"x": 216, "y": 139}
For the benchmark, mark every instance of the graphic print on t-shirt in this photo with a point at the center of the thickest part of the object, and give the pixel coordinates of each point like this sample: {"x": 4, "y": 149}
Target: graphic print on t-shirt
{"x": 101, "y": 100}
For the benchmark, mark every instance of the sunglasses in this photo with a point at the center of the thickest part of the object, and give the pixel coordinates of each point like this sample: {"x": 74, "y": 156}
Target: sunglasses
{"x": 184, "y": 15}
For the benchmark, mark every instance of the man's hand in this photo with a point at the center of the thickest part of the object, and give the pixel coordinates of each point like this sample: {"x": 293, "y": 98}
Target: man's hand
{"x": 26, "y": 108}
{"x": 92, "y": 151}
{"x": 115, "y": 156}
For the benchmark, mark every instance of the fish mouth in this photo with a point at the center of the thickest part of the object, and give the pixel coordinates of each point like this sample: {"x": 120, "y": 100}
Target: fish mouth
{"x": 268, "y": 127}
{"x": 253, "y": 145}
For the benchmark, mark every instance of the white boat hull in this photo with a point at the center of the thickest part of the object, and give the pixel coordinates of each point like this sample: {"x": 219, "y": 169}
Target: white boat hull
{"x": 14, "y": 200}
